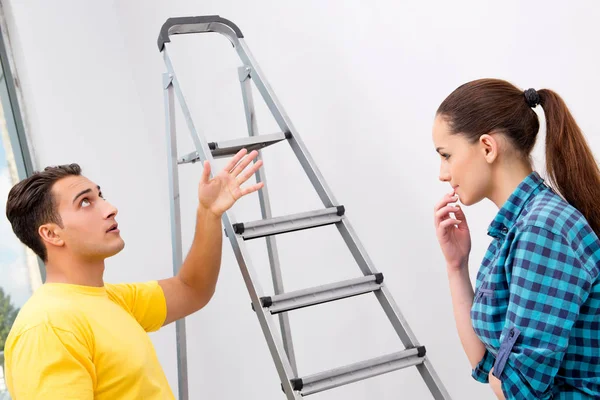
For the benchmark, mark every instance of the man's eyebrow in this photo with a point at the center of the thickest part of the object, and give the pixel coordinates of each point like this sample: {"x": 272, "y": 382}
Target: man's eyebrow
{"x": 84, "y": 192}
{"x": 438, "y": 149}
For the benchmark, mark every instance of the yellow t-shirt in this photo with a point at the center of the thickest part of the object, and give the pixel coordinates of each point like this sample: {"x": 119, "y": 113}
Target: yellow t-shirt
{"x": 82, "y": 342}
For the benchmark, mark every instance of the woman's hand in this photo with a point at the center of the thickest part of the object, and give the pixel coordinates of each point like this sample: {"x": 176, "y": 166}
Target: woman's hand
{"x": 452, "y": 233}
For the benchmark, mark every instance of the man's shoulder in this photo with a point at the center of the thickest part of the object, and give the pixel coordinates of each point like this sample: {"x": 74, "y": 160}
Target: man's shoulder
{"x": 40, "y": 325}
{"x": 125, "y": 294}
{"x": 46, "y": 309}
{"x": 145, "y": 301}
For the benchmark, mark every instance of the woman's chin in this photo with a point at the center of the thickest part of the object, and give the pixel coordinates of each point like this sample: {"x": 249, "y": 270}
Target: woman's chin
{"x": 464, "y": 200}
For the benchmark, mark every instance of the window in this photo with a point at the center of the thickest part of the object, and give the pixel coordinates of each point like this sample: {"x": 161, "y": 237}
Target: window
{"x": 20, "y": 269}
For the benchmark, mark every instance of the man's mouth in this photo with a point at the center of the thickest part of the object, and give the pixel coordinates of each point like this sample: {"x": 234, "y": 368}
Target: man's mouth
{"x": 113, "y": 228}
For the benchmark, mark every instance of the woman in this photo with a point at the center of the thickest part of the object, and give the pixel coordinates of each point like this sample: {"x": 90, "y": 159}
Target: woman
{"x": 532, "y": 327}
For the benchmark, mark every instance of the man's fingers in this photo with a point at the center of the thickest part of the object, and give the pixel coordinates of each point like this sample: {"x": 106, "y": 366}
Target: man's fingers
{"x": 205, "y": 172}
{"x": 252, "y": 188}
{"x": 245, "y": 175}
{"x": 244, "y": 163}
{"x": 236, "y": 159}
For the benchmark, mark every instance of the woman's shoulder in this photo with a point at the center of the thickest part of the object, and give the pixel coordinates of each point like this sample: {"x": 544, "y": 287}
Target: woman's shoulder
{"x": 550, "y": 212}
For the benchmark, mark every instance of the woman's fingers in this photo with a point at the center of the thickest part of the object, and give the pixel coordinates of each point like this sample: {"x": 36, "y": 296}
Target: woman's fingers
{"x": 460, "y": 214}
{"x": 449, "y": 222}
{"x": 443, "y": 213}
{"x": 448, "y": 198}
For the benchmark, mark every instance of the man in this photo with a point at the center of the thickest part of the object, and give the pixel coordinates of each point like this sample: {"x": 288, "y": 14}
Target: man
{"x": 79, "y": 338}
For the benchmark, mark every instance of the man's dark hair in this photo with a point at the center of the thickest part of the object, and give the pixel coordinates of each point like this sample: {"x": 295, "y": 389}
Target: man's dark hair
{"x": 31, "y": 204}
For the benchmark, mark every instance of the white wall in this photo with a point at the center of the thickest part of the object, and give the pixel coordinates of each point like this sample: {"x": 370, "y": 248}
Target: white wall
{"x": 361, "y": 82}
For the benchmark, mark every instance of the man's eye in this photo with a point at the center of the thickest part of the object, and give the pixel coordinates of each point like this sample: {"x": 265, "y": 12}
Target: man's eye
{"x": 446, "y": 156}
{"x": 85, "y": 203}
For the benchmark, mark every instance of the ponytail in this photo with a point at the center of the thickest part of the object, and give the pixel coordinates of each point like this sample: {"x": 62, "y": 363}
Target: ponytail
{"x": 572, "y": 169}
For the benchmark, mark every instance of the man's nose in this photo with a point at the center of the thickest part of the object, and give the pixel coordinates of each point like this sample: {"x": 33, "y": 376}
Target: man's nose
{"x": 110, "y": 210}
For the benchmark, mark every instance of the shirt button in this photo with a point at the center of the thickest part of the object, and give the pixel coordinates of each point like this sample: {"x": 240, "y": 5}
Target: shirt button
{"x": 504, "y": 230}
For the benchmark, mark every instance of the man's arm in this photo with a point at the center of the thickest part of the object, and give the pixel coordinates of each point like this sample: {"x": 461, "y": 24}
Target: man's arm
{"x": 194, "y": 285}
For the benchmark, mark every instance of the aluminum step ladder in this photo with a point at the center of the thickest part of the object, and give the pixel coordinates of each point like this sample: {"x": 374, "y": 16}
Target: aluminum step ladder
{"x": 333, "y": 213}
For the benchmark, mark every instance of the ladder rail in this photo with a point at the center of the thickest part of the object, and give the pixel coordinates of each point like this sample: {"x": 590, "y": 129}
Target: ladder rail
{"x": 266, "y": 321}
{"x": 198, "y": 138}
{"x": 265, "y": 207}
{"x": 175, "y": 216}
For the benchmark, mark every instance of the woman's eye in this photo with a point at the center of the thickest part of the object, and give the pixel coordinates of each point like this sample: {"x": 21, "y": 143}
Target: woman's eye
{"x": 85, "y": 203}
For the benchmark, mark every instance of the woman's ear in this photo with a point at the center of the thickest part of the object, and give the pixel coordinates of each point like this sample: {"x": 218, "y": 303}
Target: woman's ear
{"x": 489, "y": 147}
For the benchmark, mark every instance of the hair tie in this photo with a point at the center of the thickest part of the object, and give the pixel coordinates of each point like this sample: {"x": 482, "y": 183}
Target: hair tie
{"x": 532, "y": 97}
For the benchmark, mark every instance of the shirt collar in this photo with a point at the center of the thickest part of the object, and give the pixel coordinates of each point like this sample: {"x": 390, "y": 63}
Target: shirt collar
{"x": 510, "y": 211}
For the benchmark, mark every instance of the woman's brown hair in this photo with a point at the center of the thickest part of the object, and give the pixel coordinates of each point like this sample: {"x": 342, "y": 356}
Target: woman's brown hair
{"x": 487, "y": 105}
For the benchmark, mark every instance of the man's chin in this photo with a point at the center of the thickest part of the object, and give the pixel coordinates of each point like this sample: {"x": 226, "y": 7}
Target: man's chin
{"x": 116, "y": 249}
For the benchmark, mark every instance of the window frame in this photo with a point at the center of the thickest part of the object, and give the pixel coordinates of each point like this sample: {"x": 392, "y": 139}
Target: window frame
{"x": 15, "y": 123}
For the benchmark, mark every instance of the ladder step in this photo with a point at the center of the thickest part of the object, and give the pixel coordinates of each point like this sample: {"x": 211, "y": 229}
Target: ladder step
{"x": 322, "y": 294}
{"x": 230, "y": 147}
{"x": 290, "y": 223}
{"x": 362, "y": 370}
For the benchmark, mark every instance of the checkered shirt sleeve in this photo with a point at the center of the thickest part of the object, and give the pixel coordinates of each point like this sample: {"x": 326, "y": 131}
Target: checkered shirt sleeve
{"x": 548, "y": 285}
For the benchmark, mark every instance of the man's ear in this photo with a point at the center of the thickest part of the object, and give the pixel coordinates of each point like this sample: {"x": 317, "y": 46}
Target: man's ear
{"x": 50, "y": 234}
{"x": 489, "y": 147}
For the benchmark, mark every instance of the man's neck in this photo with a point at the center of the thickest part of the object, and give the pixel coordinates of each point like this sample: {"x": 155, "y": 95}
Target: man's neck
{"x": 75, "y": 272}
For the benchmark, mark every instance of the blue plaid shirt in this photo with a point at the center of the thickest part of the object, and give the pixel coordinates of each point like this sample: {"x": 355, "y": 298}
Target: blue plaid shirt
{"x": 537, "y": 300}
